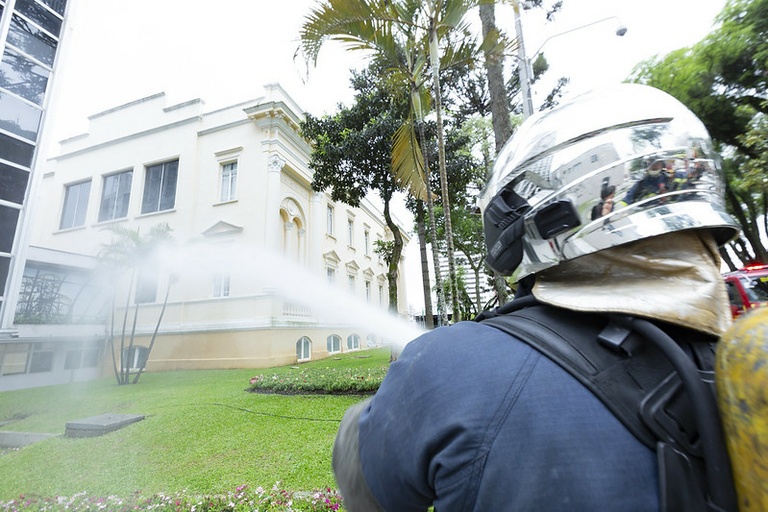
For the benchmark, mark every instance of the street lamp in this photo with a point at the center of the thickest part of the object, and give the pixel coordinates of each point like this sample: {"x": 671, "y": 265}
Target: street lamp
{"x": 525, "y": 62}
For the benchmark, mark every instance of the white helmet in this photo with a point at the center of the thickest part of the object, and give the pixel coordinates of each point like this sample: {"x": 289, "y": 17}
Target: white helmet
{"x": 551, "y": 178}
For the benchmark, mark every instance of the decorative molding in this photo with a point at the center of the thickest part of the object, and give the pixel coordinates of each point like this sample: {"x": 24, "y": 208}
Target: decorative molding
{"x": 227, "y": 153}
{"x": 275, "y": 163}
{"x": 331, "y": 259}
{"x": 222, "y": 228}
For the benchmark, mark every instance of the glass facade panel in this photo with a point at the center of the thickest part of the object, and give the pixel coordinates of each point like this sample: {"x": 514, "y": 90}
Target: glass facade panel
{"x": 160, "y": 187}
{"x": 40, "y": 15}
{"x": 32, "y": 41}
{"x": 13, "y": 183}
{"x": 16, "y": 151}
{"x": 56, "y": 5}
{"x": 75, "y": 205}
{"x": 5, "y": 264}
{"x": 21, "y": 76}
{"x": 115, "y": 196}
{"x": 8, "y": 219}
{"x": 19, "y": 117}
{"x": 51, "y": 294}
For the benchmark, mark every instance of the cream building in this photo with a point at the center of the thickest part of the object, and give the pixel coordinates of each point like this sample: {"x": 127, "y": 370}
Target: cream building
{"x": 261, "y": 261}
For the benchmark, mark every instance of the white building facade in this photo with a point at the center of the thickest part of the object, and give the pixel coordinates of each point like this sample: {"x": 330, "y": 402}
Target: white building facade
{"x": 259, "y": 257}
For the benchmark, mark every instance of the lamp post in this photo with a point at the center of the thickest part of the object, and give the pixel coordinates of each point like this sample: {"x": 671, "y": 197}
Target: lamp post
{"x": 525, "y": 62}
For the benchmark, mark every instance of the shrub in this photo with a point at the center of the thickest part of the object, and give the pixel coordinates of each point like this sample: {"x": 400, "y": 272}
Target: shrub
{"x": 349, "y": 375}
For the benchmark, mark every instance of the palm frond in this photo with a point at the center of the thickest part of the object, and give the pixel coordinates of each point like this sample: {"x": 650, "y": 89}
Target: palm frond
{"x": 408, "y": 161}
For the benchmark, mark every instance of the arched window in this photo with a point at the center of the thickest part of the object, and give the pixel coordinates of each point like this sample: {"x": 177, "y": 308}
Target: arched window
{"x": 353, "y": 342}
{"x": 370, "y": 340}
{"x": 334, "y": 343}
{"x": 293, "y": 230}
{"x": 303, "y": 349}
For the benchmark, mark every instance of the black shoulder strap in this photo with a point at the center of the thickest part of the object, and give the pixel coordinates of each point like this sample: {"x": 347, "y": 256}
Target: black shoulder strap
{"x": 639, "y": 382}
{"x": 621, "y": 373}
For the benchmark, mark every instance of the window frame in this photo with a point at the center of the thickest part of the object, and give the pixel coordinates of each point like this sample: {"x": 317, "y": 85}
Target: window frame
{"x": 80, "y": 212}
{"x": 116, "y": 200}
{"x": 228, "y": 174}
{"x": 167, "y": 171}
{"x": 329, "y": 220}
{"x": 333, "y": 344}
{"x": 221, "y": 285}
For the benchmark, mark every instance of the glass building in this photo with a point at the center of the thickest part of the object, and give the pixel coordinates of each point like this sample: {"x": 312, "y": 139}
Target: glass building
{"x": 29, "y": 38}
{"x": 30, "y": 32}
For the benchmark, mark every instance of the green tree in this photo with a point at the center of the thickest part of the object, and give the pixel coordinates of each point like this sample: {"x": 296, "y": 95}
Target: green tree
{"x": 140, "y": 257}
{"x": 389, "y": 27}
{"x": 351, "y": 155}
{"x": 723, "y": 79}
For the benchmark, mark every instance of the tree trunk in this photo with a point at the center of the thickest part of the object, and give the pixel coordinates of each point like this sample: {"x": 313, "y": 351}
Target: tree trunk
{"x": 435, "y": 64}
{"x": 429, "y": 319}
{"x": 392, "y": 267}
{"x": 502, "y": 125}
{"x": 439, "y": 290}
{"x": 154, "y": 333}
{"x": 494, "y": 69}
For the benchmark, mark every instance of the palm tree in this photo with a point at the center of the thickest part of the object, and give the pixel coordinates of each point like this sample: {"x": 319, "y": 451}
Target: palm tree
{"x": 406, "y": 34}
{"x": 130, "y": 252}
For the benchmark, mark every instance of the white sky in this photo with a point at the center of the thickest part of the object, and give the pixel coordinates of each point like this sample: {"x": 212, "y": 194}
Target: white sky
{"x": 225, "y": 51}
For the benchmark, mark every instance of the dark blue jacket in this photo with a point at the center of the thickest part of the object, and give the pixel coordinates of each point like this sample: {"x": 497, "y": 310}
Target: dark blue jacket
{"x": 471, "y": 419}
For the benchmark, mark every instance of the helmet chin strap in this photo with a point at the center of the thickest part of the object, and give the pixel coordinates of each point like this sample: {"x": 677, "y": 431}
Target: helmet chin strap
{"x": 674, "y": 278}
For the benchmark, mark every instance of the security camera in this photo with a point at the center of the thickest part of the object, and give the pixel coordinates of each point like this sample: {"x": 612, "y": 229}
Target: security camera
{"x": 621, "y": 30}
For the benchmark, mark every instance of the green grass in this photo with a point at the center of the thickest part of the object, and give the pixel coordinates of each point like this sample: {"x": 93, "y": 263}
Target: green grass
{"x": 204, "y": 433}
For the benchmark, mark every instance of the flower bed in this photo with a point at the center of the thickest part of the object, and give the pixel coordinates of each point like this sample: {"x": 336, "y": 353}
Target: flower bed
{"x": 321, "y": 380}
{"x": 242, "y": 499}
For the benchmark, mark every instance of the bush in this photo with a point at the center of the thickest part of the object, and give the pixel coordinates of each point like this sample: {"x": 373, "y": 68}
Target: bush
{"x": 321, "y": 378}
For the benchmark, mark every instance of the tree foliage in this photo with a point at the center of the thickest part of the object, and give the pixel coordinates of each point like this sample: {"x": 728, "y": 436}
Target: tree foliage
{"x": 352, "y": 154}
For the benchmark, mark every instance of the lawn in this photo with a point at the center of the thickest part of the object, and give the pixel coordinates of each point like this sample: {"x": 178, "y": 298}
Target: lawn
{"x": 205, "y": 433}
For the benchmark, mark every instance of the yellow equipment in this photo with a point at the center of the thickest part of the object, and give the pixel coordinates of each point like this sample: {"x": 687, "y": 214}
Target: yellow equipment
{"x": 741, "y": 374}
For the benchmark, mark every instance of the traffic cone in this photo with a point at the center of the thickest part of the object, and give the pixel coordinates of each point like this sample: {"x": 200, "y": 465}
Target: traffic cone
{"x": 741, "y": 375}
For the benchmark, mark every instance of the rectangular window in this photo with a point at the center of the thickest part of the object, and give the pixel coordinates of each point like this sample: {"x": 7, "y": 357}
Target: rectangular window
{"x": 350, "y": 232}
{"x": 9, "y": 219}
{"x": 221, "y": 285}
{"x": 40, "y": 15}
{"x": 115, "y": 196}
{"x": 81, "y": 358}
{"x": 228, "y": 182}
{"x": 75, "y": 205}
{"x": 351, "y": 281}
{"x": 42, "y": 359}
{"x": 330, "y": 273}
{"x": 13, "y": 183}
{"x": 32, "y": 41}
{"x": 367, "y": 291}
{"x": 14, "y": 358}
{"x": 21, "y": 76}
{"x": 329, "y": 220}
{"x": 160, "y": 187}
{"x": 19, "y": 117}
{"x": 367, "y": 242}
{"x": 146, "y": 287}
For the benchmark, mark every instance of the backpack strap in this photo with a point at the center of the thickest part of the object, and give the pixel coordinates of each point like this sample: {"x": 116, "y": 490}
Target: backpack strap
{"x": 640, "y": 383}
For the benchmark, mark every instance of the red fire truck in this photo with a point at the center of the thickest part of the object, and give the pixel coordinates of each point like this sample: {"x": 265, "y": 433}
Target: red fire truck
{"x": 747, "y": 288}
